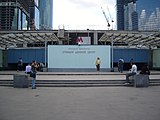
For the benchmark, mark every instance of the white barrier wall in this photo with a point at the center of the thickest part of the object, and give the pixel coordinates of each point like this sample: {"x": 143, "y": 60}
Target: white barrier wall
{"x": 74, "y": 56}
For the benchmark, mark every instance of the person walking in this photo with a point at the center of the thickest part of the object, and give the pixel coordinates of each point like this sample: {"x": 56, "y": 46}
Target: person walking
{"x": 131, "y": 62}
{"x": 120, "y": 65}
{"x": 34, "y": 67}
{"x": 20, "y": 65}
{"x": 98, "y": 62}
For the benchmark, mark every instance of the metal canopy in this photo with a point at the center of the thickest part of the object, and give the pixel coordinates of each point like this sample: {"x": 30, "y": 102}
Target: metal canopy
{"x": 11, "y": 38}
{"x": 132, "y": 38}
{"x": 128, "y": 38}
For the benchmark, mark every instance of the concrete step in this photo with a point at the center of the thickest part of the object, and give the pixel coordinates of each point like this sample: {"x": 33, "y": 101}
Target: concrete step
{"x": 79, "y": 83}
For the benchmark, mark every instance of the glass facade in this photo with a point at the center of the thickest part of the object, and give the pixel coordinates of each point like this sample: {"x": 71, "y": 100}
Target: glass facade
{"x": 36, "y": 14}
{"x": 127, "y": 17}
{"x": 130, "y": 17}
{"x": 134, "y": 20}
{"x": 24, "y": 21}
{"x": 14, "y": 21}
{"x": 46, "y": 12}
{"x": 120, "y": 14}
{"x": 14, "y": 14}
{"x": 138, "y": 15}
{"x": 148, "y": 14}
{"x": 20, "y": 21}
{"x": 34, "y": 18}
{"x": 17, "y": 15}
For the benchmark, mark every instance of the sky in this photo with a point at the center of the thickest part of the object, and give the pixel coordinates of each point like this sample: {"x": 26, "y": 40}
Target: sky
{"x": 84, "y": 14}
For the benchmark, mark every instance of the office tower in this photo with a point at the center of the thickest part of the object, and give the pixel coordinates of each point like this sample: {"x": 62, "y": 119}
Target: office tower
{"x": 120, "y": 14}
{"x": 46, "y": 14}
{"x": 130, "y": 16}
{"x": 19, "y": 15}
{"x": 34, "y": 15}
{"x": 148, "y": 14}
{"x": 14, "y": 14}
{"x": 127, "y": 17}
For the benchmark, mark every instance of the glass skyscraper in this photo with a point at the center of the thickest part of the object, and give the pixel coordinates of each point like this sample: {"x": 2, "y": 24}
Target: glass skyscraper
{"x": 14, "y": 14}
{"x": 19, "y": 15}
{"x": 130, "y": 16}
{"x": 127, "y": 17}
{"x": 34, "y": 15}
{"x": 120, "y": 14}
{"x": 138, "y": 14}
{"x": 46, "y": 14}
{"x": 148, "y": 14}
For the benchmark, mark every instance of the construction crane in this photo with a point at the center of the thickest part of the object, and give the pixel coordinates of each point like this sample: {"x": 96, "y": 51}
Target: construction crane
{"x": 110, "y": 17}
{"x": 105, "y": 17}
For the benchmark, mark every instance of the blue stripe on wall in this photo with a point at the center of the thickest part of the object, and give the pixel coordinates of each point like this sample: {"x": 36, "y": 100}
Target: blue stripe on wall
{"x": 138, "y": 55}
{"x": 28, "y": 55}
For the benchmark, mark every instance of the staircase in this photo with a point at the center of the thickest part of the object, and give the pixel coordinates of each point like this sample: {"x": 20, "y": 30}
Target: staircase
{"x": 79, "y": 83}
{"x": 77, "y": 79}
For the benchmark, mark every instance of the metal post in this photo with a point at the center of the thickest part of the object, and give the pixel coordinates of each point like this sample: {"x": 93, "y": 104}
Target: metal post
{"x": 112, "y": 69}
{"x": 45, "y": 53}
{"x": 68, "y": 38}
{"x": 88, "y": 35}
{"x": 95, "y": 38}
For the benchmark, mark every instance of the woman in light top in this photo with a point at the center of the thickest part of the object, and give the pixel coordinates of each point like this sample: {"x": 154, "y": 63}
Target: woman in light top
{"x": 98, "y": 62}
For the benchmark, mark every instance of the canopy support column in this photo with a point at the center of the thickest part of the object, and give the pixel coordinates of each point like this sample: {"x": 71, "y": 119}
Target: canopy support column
{"x": 112, "y": 69}
{"x": 45, "y": 58}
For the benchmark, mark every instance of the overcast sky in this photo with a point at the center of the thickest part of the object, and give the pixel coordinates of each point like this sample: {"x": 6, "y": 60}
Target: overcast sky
{"x": 83, "y": 14}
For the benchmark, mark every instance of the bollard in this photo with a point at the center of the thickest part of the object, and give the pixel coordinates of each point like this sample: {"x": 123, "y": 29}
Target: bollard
{"x": 141, "y": 80}
{"x": 21, "y": 81}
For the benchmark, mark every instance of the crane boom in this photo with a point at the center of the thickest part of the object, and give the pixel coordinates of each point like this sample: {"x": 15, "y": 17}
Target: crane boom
{"x": 105, "y": 17}
{"x": 109, "y": 14}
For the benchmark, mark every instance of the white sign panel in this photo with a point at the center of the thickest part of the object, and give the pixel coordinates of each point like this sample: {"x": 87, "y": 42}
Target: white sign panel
{"x": 74, "y": 56}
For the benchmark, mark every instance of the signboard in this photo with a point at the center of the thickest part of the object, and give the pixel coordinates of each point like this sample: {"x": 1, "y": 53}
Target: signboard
{"x": 83, "y": 40}
{"x": 74, "y": 56}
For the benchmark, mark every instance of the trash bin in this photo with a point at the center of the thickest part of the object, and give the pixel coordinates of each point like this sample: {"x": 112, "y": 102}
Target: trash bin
{"x": 21, "y": 81}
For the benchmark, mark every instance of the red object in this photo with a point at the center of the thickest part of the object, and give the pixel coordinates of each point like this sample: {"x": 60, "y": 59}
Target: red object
{"x": 79, "y": 40}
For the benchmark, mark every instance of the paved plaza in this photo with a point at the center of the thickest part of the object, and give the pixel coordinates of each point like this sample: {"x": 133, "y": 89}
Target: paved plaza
{"x": 80, "y": 103}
